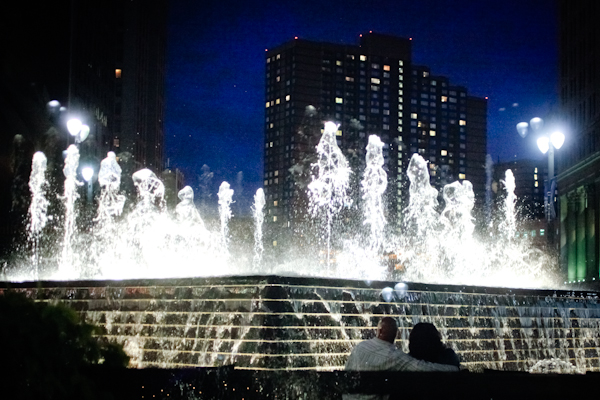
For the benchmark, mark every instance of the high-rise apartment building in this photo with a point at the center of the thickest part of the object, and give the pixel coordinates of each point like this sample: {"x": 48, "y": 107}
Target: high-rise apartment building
{"x": 368, "y": 89}
{"x": 579, "y": 159}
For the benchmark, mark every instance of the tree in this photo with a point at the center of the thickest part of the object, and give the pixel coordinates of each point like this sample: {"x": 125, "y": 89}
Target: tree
{"x": 46, "y": 350}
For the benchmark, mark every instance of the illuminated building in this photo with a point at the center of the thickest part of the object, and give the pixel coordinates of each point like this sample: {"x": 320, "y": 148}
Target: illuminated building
{"x": 578, "y": 180}
{"x": 371, "y": 88}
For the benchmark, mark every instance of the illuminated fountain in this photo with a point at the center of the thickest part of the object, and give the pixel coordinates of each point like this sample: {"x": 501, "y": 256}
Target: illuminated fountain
{"x": 168, "y": 288}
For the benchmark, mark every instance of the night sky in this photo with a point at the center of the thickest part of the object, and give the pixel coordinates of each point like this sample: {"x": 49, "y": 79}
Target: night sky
{"x": 506, "y": 51}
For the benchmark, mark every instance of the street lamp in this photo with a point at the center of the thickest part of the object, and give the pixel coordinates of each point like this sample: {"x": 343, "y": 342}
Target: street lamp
{"x": 78, "y": 129}
{"x": 88, "y": 173}
{"x": 546, "y": 145}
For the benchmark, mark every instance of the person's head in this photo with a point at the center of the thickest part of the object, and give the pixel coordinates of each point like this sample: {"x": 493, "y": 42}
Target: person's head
{"x": 425, "y": 342}
{"x": 387, "y": 329}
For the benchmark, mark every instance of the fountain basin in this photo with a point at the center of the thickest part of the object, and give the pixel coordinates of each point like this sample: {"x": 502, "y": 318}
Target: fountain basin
{"x": 293, "y": 323}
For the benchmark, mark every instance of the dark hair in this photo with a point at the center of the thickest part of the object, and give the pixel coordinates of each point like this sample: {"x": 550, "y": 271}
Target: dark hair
{"x": 425, "y": 342}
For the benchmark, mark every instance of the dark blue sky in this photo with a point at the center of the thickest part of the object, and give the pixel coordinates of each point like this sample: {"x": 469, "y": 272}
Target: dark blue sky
{"x": 505, "y": 50}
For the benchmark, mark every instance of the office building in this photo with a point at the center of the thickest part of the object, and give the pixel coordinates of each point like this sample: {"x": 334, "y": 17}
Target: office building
{"x": 370, "y": 88}
{"x": 578, "y": 180}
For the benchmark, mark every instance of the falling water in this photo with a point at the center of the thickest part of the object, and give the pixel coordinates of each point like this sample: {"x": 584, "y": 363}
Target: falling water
{"x": 373, "y": 185}
{"x": 186, "y": 211}
{"x": 70, "y": 197}
{"x": 509, "y": 224}
{"x": 489, "y": 170}
{"x": 259, "y": 217}
{"x": 111, "y": 203}
{"x": 225, "y": 199}
{"x": 328, "y": 189}
{"x": 38, "y": 207}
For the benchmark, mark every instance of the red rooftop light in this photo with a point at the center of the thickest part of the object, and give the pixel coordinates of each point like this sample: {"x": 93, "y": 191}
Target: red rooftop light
{"x": 295, "y": 37}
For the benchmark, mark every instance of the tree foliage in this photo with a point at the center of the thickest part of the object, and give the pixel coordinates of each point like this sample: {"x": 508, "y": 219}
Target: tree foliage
{"x": 46, "y": 350}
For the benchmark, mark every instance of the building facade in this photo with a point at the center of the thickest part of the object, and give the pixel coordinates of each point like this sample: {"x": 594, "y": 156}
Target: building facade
{"x": 105, "y": 62}
{"x": 368, "y": 89}
{"x": 578, "y": 180}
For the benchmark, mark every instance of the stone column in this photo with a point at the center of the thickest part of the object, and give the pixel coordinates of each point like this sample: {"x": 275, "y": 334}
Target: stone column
{"x": 581, "y": 233}
{"x": 571, "y": 234}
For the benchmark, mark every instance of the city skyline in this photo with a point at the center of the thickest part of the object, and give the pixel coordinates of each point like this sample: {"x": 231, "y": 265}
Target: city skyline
{"x": 215, "y": 76}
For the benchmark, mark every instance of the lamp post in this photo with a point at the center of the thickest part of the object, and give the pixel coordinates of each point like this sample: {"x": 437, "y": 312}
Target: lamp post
{"x": 546, "y": 144}
{"x": 88, "y": 173}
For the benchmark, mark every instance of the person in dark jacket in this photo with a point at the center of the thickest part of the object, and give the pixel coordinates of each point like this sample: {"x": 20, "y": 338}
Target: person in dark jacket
{"x": 425, "y": 343}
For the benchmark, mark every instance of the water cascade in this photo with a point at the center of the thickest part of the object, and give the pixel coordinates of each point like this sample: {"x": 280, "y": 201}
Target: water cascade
{"x": 373, "y": 187}
{"x": 225, "y": 199}
{"x": 188, "y": 304}
{"x": 259, "y": 218}
{"x": 329, "y": 187}
{"x": 69, "y": 198}
{"x": 38, "y": 207}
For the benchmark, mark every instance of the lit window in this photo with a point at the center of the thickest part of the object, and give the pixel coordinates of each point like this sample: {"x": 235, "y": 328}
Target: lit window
{"x": 386, "y": 67}
{"x": 277, "y": 101}
{"x": 431, "y": 133}
{"x": 444, "y": 152}
{"x": 444, "y": 99}
{"x": 274, "y": 242}
{"x": 535, "y": 176}
{"x": 116, "y": 142}
{"x": 275, "y": 203}
{"x": 271, "y": 125}
{"x": 338, "y": 133}
{"x": 338, "y": 63}
{"x": 375, "y": 81}
{"x": 414, "y": 115}
{"x": 276, "y": 173}
{"x": 278, "y": 56}
{"x": 349, "y": 79}
{"x": 266, "y": 182}
{"x": 400, "y": 62}
{"x": 363, "y": 58}
{"x": 462, "y": 122}
{"x": 536, "y": 184}
{"x": 117, "y": 73}
{"x": 271, "y": 144}
{"x": 425, "y": 74}
{"x": 339, "y": 100}
{"x": 535, "y": 170}
{"x": 287, "y": 98}
{"x": 462, "y": 176}
{"x": 278, "y": 78}
{"x": 267, "y": 105}
{"x": 275, "y": 220}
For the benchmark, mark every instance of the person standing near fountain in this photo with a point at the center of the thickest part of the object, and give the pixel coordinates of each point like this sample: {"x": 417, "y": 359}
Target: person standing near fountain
{"x": 380, "y": 354}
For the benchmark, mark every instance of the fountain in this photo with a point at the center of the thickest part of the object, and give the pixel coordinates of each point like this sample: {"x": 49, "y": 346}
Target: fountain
{"x": 176, "y": 294}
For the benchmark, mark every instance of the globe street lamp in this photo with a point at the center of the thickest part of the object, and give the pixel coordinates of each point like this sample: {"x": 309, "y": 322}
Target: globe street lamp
{"x": 546, "y": 144}
{"x": 88, "y": 173}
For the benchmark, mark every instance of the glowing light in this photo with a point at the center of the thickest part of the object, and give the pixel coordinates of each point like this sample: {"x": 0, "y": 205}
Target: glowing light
{"x": 536, "y": 123}
{"x": 557, "y": 139}
{"x": 543, "y": 144}
{"x": 87, "y": 173}
{"x": 74, "y": 126}
{"x": 522, "y": 128}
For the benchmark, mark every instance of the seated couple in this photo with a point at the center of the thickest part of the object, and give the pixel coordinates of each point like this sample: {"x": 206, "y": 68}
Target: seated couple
{"x": 427, "y": 353}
